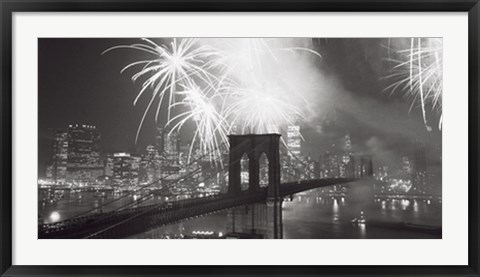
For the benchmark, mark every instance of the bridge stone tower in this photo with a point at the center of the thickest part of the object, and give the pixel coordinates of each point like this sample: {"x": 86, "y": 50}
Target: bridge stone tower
{"x": 254, "y": 146}
{"x": 266, "y": 216}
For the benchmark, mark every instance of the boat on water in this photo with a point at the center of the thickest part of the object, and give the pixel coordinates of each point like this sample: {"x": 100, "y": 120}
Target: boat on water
{"x": 359, "y": 220}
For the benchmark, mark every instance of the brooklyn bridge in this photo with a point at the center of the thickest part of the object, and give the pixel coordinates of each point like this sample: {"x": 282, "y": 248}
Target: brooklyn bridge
{"x": 254, "y": 212}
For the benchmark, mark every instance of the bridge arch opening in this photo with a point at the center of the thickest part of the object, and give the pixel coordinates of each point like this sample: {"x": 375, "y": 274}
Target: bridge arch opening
{"x": 245, "y": 151}
{"x": 263, "y": 164}
{"x": 244, "y": 172}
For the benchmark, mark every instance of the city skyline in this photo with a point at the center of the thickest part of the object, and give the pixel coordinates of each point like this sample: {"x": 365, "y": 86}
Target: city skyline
{"x": 325, "y": 128}
{"x": 76, "y": 158}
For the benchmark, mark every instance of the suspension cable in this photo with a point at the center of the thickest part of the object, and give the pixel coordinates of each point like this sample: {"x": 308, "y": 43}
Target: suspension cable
{"x": 157, "y": 205}
{"x": 303, "y": 163}
{"x": 142, "y": 187}
{"x": 168, "y": 186}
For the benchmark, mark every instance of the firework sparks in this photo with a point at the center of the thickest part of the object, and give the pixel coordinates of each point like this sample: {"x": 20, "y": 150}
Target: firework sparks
{"x": 258, "y": 100}
{"x": 212, "y": 128}
{"x": 180, "y": 63}
{"x": 243, "y": 58}
{"x": 217, "y": 85}
{"x": 262, "y": 110}
{"x": 418, "y": 74}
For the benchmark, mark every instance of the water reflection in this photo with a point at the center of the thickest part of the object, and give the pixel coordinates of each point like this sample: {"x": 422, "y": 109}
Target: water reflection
{"x": 332, "y": 218}
{"x": 309, "y": 215}
{"x": 362, "y": 230}
{"x": 416, "y": 208}
{"x": 335, "y": 208}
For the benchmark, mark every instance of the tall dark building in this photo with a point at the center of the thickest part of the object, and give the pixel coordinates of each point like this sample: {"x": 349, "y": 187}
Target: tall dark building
{"x": 125, "y": 169}
{"x": 159, "y": 140}
{"x": 172, "y": 147}
{"x": 57, "y": 169}
{"x": 420, "y": 160}
{"x": 346, "y": 165}
{"x": 330, "y": 161}
{"x": 348, "y": 144}
{"x": 150, "y": 168}
{"x": 83, "y": 147}
{"x": 419, "y": 177}
{"x": 83, "y": 162}
{"x": 168, "y": 144}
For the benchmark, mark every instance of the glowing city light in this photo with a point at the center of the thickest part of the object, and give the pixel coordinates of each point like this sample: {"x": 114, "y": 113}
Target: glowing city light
{"x": 55, "y": 216}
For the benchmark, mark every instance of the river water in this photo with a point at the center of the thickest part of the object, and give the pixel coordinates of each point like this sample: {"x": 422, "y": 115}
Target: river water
{"x": 307, "y": 216}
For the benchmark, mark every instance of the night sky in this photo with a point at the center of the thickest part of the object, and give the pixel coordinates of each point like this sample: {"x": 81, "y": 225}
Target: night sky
{"x": 79, "y": 85}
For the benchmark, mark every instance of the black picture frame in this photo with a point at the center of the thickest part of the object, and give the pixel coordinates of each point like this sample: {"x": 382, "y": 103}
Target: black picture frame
{"x": 8, "y": 7}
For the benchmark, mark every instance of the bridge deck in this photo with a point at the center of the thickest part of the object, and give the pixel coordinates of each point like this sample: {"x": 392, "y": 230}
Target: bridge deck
{"x": 127, "y": 222}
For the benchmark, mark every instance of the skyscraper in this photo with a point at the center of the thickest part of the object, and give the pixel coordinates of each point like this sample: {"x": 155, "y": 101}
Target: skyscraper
{"x": 57, "y": 169}
{"x": 159, "y": 140}
{"x": 172, "y": 147}
{"x": 125, "y": 169}
{"x": 294, "y": 140}
{"x": 83, "y": 162}
{"x": 168, "y": 144}
{"x": 419, "y": 178}
{"x": 347, "y": 151}
{"x": 420, "y": 161}
{"x": 346, "y": 165}
{"x": 150, "y": 166}
{"x": 83, "y": 146}
{"x": 331, "y": 165}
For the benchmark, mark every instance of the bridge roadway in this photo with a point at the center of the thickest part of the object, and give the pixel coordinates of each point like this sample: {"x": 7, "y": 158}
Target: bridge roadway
{"x": 128, "y": 222}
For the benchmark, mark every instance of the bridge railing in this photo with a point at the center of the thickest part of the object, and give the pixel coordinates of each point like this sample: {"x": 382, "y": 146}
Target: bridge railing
{"x": 141, "y": 219}
{"x": 131, "y": 221}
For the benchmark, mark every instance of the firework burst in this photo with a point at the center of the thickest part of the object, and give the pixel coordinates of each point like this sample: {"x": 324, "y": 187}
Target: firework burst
{"x": 243, "y": 58}
{"x": 257, "y": 99}
{"x": 417, "y": 73}
{"x": 261, "y": 110}
{"x": 211, "y": 127}
{"x": 217, "y": 85}
{"x": 182, "y": 62}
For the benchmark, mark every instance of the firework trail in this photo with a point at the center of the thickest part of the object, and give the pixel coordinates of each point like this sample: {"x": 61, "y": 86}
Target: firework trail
{"x": 179, "y": 63}
{"x": 241, "y": 59}
{"x": 262, "y": 110}
{"x": 217, "y": 85}
{"x": 211, "y": 127}
{"x": 417, "y": 73}
{"x": 258, "y": 101}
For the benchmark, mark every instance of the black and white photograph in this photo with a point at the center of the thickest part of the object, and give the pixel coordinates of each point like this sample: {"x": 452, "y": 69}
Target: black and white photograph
{"x": 240, "y": 138}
